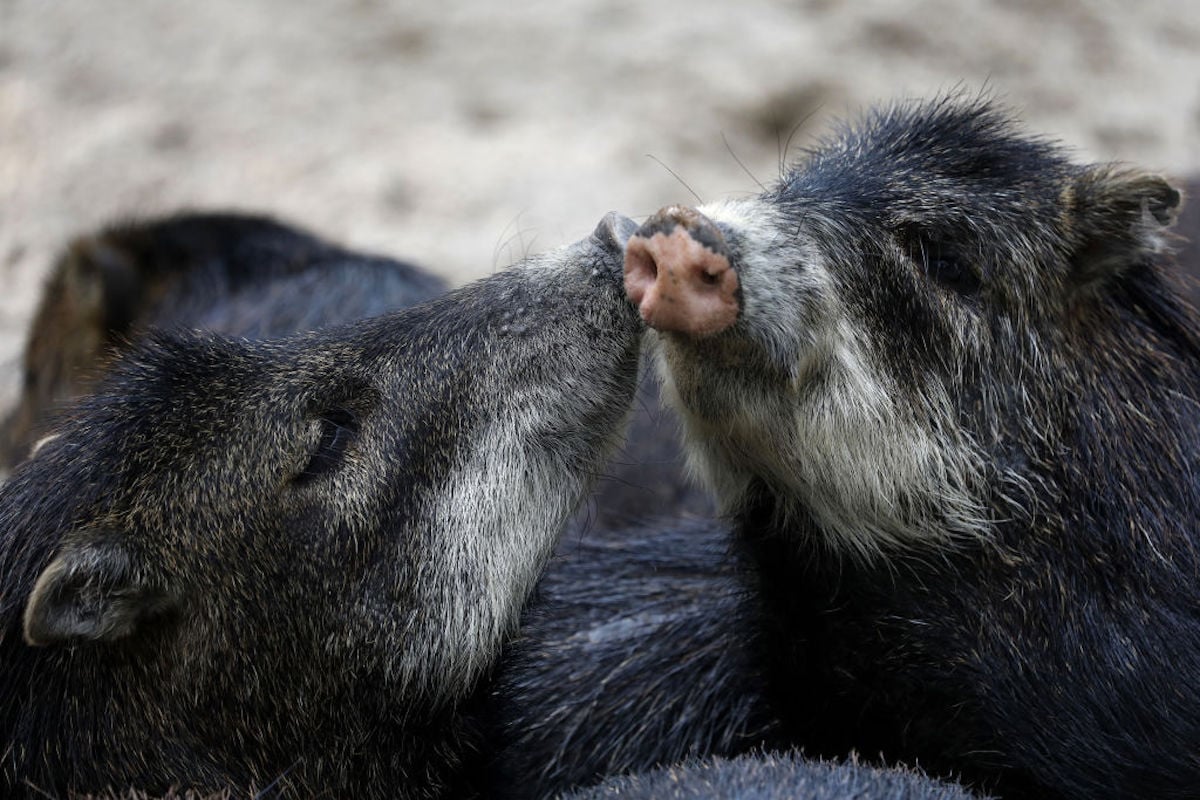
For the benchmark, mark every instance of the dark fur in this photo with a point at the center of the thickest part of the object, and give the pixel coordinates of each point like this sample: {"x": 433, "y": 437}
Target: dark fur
{"x": 642, "y": 653}
{"x": 633, "y": 656}
{"x": 773, "y": 777}
{"x": 647, "y": 478}
{"x": 252, "y": 579}
{"x": 237, "y": 275}
{"x": 1188, "y": 229}
{"x": 1052, "y": 648}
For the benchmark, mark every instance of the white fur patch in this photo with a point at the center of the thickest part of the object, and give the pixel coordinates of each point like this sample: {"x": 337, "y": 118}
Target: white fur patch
{"x": 815, "y": 418}
{"x": 498, "y": 519}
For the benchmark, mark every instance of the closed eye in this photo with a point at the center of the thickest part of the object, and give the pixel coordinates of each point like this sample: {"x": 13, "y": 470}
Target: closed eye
{"x": 941, "y": 263}
{"x": 339, "y": 427}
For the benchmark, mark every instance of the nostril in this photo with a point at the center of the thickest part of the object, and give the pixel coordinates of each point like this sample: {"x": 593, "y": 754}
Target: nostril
{"x": 678, "y": 273}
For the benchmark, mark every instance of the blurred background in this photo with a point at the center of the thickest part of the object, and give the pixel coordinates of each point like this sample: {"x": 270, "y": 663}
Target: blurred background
{"x": 461, "y": 136}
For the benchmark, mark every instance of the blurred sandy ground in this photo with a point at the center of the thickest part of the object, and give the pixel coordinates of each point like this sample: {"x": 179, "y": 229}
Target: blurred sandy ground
{"x": 462, "y": 134}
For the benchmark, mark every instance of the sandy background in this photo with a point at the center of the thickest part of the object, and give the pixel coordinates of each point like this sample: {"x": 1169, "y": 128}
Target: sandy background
{"x": 462, "y": 134}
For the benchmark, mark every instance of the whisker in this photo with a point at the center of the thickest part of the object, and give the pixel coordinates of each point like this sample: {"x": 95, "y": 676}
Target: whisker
{"x": 662, "y": 164}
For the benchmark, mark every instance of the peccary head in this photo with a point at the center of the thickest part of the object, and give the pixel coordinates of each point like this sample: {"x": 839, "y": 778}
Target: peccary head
{"x": 933, "y": 322}
{"x": 237, "y": 562}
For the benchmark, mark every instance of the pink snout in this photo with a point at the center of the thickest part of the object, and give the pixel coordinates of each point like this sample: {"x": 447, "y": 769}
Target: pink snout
{"x": 677, "y": 273}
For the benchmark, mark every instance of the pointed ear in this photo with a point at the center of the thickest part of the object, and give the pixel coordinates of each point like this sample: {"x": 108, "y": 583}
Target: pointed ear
{"x": 91, "y": 592}
{"x": 101, "y": 280}
{"x": 1121, "y": 218}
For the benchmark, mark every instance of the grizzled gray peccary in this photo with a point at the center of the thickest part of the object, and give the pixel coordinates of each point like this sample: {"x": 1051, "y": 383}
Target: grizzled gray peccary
{"x": 945, "y": 384}
{"x": 232, "y": 274}
{"x": 290, "y": 563}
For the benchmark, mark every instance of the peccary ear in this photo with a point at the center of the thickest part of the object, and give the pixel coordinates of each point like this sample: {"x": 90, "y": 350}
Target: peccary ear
{"x": 102, "y": 279}
{"x": 91, "y": 592}
{"x": 1121, "y": 218}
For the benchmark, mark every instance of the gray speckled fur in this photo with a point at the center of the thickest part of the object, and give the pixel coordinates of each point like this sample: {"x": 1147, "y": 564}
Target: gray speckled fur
{"x": 773, "y": 777}
{"x": 956, "y": 430}
{"x": 290, "y": 562}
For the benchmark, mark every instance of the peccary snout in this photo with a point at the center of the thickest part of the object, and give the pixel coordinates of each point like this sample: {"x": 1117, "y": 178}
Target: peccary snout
{"x": 678, "y": 274}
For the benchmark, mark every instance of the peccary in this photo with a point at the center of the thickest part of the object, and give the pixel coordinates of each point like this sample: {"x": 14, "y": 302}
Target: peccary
{"x": 234, "y": 274}
{"x": 288, "y": 564}
{"x": 252, "y": 276}
{"x": 943, "y": 382}
{"x": 772, "y": 777}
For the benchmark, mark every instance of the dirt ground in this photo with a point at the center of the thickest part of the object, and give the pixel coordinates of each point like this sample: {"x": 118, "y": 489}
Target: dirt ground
{"x": 460, "y": 135}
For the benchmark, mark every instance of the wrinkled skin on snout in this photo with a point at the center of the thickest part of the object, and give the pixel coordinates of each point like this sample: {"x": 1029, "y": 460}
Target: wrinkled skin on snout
{"x": 241, "y": 563}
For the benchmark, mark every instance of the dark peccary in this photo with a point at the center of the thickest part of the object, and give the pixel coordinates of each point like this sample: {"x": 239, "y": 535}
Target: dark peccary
{"x": 773, "y": 777}
{"x": 943, "y": 381}
{"x": 289, "y": 564}
{"x": 634, "y": 655}
{"x": 251, "y": 276}
{"x": 233, "y": 274}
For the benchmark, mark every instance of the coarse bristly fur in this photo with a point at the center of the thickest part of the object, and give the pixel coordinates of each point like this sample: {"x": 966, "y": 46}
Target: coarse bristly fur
{"x": 772, "y": 777}
{"x": 633, "y": 655}
{"x": 288, "y": 564}
{"x": 636, "y": 673}
{"x": 956, "y": 427}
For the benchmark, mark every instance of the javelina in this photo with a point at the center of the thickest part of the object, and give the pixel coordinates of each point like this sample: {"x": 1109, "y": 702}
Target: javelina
{"x": 772, "y": 777}
{"x": 289, "y": 563}
{"x": 234, "y": 274}
{"x": 252, "y": 276}
{"x": 943, "y": 381}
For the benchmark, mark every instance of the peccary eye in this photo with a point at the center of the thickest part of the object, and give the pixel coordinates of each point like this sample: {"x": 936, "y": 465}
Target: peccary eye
{"x": 338, "y": 429}
{"x": 941, "y": 264}
{"x": 952, "y": 274}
